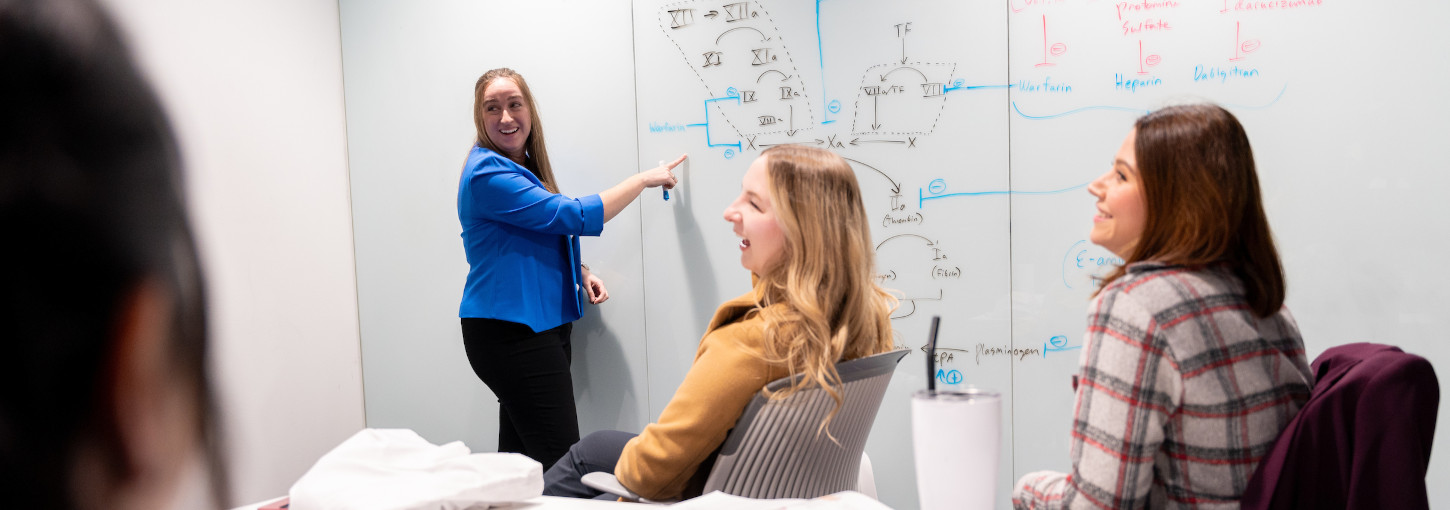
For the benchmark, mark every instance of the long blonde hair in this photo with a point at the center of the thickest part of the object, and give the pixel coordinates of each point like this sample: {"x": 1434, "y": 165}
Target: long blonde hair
{"x": 537, "y": 158}
{"x": 826, "y": 278}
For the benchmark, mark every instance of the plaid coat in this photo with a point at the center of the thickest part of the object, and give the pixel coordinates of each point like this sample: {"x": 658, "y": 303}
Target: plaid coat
{"x": 1182, "y": 391}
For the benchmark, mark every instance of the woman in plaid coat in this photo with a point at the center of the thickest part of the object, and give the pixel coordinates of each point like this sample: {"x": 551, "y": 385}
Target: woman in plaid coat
{"x": 1191, "y": 365}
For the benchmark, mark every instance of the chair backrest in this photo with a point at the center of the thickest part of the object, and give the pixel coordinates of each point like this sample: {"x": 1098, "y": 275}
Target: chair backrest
{"x": 1361, "y": 441}
{"x": 774, "y": 451}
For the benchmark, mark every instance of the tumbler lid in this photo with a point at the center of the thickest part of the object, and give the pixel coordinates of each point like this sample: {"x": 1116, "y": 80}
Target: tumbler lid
{"x": 969, "y": 393}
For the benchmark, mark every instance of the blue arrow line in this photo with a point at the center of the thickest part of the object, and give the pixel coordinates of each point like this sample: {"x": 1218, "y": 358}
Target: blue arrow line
{"x": 737, "y": 145}
{"x": 1046, "y": 349}
{"x": 821, "y": 54}
{"x": 921, "y": 197}
{"x": 976, "y": 87}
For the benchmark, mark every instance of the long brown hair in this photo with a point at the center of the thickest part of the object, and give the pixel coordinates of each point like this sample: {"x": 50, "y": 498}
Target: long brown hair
{"x": 1201, "y": 191}
{"x": 537, "y": 157}
{"x": 826, "y": 276}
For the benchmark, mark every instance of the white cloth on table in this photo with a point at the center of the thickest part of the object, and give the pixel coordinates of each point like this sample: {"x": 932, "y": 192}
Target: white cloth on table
{"x": 395, "y": 469}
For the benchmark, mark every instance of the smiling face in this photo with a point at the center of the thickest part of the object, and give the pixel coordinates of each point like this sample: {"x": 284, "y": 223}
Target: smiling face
{"x": 506, "y": 117}
{"x": 1122, "y": 212}
{"x": 762, "y": 243}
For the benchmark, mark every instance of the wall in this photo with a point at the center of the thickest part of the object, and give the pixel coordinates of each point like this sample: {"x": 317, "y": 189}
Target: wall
{"x": 254, "y": 90}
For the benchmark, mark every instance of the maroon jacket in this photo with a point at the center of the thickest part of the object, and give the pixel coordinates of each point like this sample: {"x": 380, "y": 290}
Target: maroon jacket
{"x": 1362, "y": 441}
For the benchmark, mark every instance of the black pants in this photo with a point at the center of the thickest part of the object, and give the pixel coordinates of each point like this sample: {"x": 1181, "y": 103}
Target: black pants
{"x": 596, "y": 452}
{"x": 529, "y": 372}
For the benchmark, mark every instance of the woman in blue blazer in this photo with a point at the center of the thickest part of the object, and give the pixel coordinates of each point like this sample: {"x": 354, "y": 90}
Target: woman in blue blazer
{"x": 525, "y": 281}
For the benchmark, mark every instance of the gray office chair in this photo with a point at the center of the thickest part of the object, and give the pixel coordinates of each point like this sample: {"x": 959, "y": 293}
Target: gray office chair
{"x": 774, "y": 450}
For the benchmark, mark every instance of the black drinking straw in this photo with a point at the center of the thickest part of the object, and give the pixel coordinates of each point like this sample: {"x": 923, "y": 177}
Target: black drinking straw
{"x": 931, "y": 354}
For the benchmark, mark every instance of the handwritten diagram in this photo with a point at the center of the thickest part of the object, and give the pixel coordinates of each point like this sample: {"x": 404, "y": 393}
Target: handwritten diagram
{"x": 974, "y": 132}
{"x": 758, "y": 92}
{"x": 901, "y": 99}
{"x": 757, "y": 95}
{"x": 882, "y": 90}
{"x": 742, "y": 61}
{"x": 1138, "y": 50}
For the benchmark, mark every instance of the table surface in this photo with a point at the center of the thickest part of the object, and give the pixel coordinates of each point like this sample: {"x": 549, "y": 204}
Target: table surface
{"x": 538, "y": 503}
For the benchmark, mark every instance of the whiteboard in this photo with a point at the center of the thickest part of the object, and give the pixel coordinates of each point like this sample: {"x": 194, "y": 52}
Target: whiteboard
{"x": 1345, "y": 164}
{"x": 972, "y": 126}
{"x": 409, "y": 70}
{"x": 891, "y": 87}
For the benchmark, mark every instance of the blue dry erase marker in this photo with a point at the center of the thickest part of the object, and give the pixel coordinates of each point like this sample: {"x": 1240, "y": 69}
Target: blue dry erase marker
{"x": 666, "y": 190}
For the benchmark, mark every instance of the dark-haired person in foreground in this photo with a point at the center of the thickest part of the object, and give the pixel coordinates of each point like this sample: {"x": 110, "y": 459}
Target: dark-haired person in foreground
{"x": 1191, "y": 366}
{"x": 104, "y": 394}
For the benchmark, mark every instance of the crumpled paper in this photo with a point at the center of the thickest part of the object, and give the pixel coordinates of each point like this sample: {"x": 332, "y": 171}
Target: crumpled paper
{"x": 395, "y": 469}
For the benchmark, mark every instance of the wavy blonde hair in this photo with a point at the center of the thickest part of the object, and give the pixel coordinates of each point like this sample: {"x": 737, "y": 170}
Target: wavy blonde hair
{"x": 826, "y": 277}
{"x": 537, "y": 159}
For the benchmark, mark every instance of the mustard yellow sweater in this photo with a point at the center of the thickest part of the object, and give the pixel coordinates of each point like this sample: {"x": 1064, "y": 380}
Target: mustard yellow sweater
{"x": 726, "y": 374}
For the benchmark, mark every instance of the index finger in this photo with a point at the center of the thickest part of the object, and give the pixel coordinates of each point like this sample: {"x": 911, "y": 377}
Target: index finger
{"x": 671, "y": 165}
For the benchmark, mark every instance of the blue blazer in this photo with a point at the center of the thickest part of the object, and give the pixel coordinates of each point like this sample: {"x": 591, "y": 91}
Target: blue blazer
{"x": 522, "y": 245}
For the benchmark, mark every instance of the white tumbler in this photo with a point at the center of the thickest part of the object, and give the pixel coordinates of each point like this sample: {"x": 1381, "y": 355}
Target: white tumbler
{"x": 956, "y": 437}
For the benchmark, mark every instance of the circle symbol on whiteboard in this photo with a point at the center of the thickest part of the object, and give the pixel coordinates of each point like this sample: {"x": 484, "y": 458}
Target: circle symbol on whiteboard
{"x": 937, "y": 187}
{"x": 729, "y": 153}
{"x": 949, "y": 376}
{"x": 731, "y": 92}
{"x": 834, "y": 106}
{"x": 1058, "y": 49}
{"x": 1153, "y": 60}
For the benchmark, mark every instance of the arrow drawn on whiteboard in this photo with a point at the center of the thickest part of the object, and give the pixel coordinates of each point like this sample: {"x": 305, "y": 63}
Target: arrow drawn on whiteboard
{"x": 921, "y": 197}
{"x": 908, "y": 314}
{"x": 895, "y": 186}
{"x": 939, "y": 349}
{"x": 959, "y": 86}
{"x": 928, "y": 241}
{"x": 923, "y": 75}
{"x": 875, "y": 112}
{"x": 783, "y": 76}
{"x": 913, "y": 301}
{"x": 763, "y": 38}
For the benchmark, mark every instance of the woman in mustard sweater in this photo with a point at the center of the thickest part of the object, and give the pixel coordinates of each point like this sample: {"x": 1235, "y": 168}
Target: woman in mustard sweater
{"x": 804, "y": 238}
